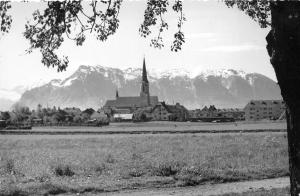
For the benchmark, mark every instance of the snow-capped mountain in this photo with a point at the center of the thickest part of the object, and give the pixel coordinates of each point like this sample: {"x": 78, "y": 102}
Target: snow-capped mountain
{"x": 91, "y": 86}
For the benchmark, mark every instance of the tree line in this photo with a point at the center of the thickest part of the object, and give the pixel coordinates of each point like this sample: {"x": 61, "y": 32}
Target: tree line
{"x": 47, "y": 115}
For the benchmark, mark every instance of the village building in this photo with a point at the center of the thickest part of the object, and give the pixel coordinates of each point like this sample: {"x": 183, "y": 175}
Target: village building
{"x": 235, "y": 113}
{"x": 163, "y": 111}
{"x": 205, "y": 112}
{"x": 193, "y": 114}
{"x": 264, "y": 109}
{"x": 99, "y": 116}
{"x": 122, "y": 117}
{"x": 72, "y": 110}
{"x": 3, "y": 123}
{"x": 37, "y": 121}
{"x": 132, "y": 103}
{"x": 160, "y": 112}
{"x": 142, "y": 114}
{"x": 212, "y": 112}
{"x": 179, "y": 112}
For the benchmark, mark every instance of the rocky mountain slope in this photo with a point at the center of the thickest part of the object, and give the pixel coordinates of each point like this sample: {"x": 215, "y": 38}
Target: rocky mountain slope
{"x": 91, "y": 86}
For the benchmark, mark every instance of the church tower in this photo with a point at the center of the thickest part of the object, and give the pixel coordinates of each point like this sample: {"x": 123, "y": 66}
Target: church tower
{"x": 145, "y": 84}
{"x": 117, "y": 94}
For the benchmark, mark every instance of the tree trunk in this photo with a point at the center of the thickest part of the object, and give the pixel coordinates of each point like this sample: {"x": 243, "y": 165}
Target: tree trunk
{"x": 284, "y": 50}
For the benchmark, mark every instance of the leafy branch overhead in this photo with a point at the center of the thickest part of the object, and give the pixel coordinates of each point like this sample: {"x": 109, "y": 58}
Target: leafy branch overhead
{"x": 69, "y": 20}
{"x": 5, "y": 18}
{"x": 258, "y": 10}
{"x": 153, "y": 16}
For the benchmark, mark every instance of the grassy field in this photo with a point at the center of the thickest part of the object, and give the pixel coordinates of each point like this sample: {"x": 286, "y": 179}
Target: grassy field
{"x": 107, "y": 163}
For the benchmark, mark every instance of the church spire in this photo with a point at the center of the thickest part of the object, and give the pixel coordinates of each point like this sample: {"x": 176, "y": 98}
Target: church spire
{"x": 145, "y": 85}
{"x": 117, "y": 94}
{"x": 144, "y": 78}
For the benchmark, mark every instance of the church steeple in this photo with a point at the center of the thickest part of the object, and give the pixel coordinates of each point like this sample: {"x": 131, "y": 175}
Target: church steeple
{"x": 117, "y": 94}
{"x": 144, "y": 78}
{"x": 145, "y": 84}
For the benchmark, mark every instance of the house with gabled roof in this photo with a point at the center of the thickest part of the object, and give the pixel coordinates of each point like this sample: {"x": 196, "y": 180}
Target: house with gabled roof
{"x": 163, "y": 111}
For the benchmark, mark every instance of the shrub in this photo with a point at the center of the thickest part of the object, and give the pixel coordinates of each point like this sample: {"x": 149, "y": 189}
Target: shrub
{"x": 136, "y": 156}
{"x": 9, "y": 166}
{"x": 63, "y": 170}
{"x": 168, "y": 169}
{"x": 110, "y": 159}
{"x": 13, "y": 192}
{"x": 100, "y": 168}
{"x": 136, "y": 172}
{"x": 43, "y": 178}
{"x": 55, "y": 190}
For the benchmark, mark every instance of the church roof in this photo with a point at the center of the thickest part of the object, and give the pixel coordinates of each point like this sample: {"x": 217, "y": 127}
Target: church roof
{"x": 136, "y": 101}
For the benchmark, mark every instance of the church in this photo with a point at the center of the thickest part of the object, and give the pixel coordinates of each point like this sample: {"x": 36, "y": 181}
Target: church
{"x": 130, "y": 104}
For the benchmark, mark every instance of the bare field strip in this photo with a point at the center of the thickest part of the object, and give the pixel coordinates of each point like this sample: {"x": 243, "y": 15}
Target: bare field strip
{"x": 158, "y": 128}
{"x": 98, "y": 164}
{"x": 113, "y": 136}
{"x": 267, "y": 187}
{"x": 28, "y": 132}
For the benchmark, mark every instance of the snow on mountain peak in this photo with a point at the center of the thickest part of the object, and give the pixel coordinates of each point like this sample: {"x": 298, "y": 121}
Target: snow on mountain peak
{"x": 81, "y": 73}
{"x": 223, "y": 73}
{"x": 132, "y": 73}
{"x": 56, "y": 82}
{"x": 38, "y": 83}
{"x": 172, "y": 73}
{"x": 116, "y": 74}
{"x": 84, "y": 69}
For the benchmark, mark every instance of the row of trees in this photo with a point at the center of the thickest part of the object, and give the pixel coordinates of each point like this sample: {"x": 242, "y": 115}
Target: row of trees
{"x": 23, "y": 115}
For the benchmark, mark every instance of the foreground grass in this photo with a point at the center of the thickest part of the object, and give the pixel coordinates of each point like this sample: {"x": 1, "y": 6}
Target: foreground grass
{"x": 108, "y": 163}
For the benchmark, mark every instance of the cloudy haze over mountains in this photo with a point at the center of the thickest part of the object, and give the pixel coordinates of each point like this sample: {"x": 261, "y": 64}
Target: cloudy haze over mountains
{"x": 91, "y": 86}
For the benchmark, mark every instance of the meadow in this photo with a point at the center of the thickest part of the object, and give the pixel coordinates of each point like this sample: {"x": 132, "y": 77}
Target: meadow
{"x": 44, "y": 164}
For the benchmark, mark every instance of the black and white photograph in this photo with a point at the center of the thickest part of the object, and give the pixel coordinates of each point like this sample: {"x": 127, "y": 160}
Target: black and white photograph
{"x": 150, "y": 98}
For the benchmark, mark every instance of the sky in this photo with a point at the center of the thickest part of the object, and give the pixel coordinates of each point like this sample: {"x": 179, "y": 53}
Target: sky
{"x": 217, "y": 37}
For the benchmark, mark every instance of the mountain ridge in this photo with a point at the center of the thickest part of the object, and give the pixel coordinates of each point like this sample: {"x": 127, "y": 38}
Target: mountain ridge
{"x": 91, "y": 86}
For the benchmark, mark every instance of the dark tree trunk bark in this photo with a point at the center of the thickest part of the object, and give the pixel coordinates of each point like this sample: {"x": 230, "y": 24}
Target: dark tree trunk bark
{"x": 284, "y": 50}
